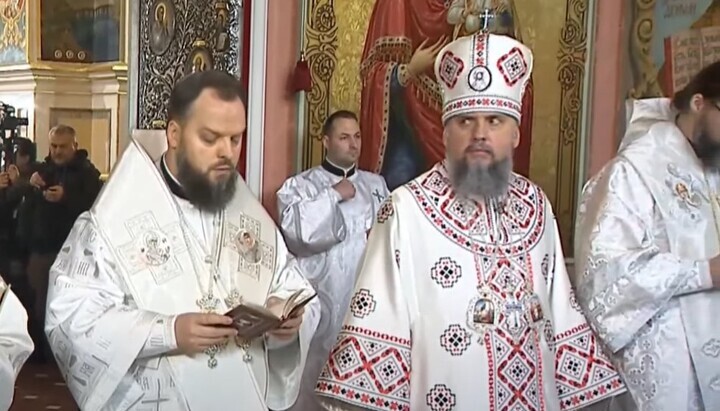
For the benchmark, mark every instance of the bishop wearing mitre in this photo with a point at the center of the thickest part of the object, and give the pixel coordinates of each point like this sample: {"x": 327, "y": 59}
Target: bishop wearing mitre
{"x": 176, "y": 239}
{"x": 15, "y": 343}
{"x": 462, "y": 300}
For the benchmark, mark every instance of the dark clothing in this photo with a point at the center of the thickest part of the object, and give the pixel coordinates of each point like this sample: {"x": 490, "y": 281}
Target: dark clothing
{"x": 42, "y": 225}
{"x": 10, "y": 200}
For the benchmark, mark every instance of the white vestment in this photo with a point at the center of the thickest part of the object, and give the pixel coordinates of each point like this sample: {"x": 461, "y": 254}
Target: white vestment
{"x": 465, "y": 306}
{"x": 15, "y": 344}
{"x": 328, "y": 237}
{"x": 142, "y": 256}
{"x": 647, "y": 226}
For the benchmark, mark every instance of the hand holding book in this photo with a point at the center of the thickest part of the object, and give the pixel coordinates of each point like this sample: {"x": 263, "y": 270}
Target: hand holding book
{"x": 279, "y": 317}
{"x": 290, "y": 327}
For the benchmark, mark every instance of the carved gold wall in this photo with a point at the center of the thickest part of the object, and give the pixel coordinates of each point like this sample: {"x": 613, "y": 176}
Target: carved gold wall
{"x": 556, "y": 30}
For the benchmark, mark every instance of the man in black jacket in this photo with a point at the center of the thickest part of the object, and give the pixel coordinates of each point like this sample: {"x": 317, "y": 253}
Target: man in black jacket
{"x": 14, "y": 183}
{"x": 65, "y": 186}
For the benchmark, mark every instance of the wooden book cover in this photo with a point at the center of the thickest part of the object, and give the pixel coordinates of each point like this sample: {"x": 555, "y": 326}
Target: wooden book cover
{"x": 252, "y": 321}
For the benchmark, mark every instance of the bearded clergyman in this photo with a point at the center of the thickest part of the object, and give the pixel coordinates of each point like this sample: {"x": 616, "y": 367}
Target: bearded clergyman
{"x": 175, "y": 240}
{"x": 462, "y": 300}
{"x": 648, "y": 252}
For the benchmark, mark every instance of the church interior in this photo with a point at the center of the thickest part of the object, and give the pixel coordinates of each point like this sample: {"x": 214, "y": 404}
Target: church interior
{"x": 106, "y": 68}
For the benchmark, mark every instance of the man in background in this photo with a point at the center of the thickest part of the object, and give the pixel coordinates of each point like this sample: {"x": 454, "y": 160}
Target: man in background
{"x": 176, "y": 239}
{"x": 14, "y": 184}
{"x": 325, "y": 215}
{"x": 64, "y": 186}
{"x": 648, "y": 254}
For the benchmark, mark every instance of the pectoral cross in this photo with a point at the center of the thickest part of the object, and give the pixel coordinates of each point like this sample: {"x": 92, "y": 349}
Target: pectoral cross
{"x": 487, "y": 16}
{"x": 377, "y": 195}
{"x": 514, "y": 310}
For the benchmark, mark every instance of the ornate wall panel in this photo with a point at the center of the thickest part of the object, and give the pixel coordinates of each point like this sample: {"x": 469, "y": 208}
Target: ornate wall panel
{"x": 571, "y": 75}
{"x": 178, "y": 37}
{"x": 556, "y": 30}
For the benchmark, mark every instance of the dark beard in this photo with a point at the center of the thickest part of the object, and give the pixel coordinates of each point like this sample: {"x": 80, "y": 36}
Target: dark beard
{"x": 200, "y": 191}
{"x": 707, "y": 150}
{"x": 485, "y": 182}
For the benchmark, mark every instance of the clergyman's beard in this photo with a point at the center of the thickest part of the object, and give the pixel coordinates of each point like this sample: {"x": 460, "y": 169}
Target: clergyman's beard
{"x": 707, "y": 150}
{"x": 198, "y": 188}
{"x": 487, "y": 182}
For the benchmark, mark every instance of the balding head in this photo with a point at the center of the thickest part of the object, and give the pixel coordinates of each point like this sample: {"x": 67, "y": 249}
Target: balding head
{"x": 63, "y": 144}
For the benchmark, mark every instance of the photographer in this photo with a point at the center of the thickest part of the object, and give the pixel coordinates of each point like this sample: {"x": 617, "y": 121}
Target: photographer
{"x": 14, "y": 185}
{"x": 64, "y": 186}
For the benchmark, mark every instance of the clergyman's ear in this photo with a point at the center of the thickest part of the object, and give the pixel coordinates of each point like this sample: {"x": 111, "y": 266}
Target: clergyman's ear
{"x": 173, "y": 133}
{"x": 697, "y": 102}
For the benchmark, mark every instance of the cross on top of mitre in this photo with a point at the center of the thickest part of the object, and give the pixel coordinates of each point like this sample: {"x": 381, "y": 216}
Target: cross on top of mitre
{"x": 490, "y": 16}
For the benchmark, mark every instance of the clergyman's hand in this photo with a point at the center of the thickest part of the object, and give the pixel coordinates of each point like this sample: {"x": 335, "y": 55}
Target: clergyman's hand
{"x": 197, "y": 332}
{"x": 715, "y": 271}
{"x": 345, "y": 188}
{"x": 290, "y": 327}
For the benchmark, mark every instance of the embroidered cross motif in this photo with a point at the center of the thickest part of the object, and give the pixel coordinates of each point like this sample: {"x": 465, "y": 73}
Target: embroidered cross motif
{"x": 153, "y": 248}
{"x": 377, "y": 195}
{"x": 157, "y": 400}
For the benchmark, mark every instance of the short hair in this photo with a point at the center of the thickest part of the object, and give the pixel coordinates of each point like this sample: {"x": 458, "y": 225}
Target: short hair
{"x": 189, "y": 88}
{"x": 63, "y": 130}
{"x": 25, "y": 147}
{"x": 332, "y": 118}
{"x": 706, "y": 83}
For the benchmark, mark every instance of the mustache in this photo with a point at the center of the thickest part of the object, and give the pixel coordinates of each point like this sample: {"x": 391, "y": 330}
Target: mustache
{"x": 480, "y": 147}
{"x": 222, "y": 163}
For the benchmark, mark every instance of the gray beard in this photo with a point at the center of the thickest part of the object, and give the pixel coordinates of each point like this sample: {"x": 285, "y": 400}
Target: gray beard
{"x": 489, "y": 183}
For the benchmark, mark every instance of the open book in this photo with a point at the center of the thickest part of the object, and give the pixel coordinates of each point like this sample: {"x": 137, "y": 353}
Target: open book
{"x": 252, "y": 321}
{"x": 686, "y": 53}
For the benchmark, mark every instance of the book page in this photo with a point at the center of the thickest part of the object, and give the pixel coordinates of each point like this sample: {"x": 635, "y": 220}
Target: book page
{"x": 685, "y": 57}
{"x": 710, "y": 45}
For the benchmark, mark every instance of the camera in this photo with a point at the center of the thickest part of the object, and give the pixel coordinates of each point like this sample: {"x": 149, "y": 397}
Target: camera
{"x": 10, "y": 124}
{"x": 8, "y": 120}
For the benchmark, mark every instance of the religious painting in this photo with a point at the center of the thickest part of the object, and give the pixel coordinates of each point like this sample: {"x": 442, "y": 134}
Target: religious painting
{"x": 670, "y": 41}
{"x": 359, "y": 52}
{"x": 484, "y": 311}
{"x": 177, "y": 38}
{"x": 81, "y": 31}
{"x": 222, "y": 38}
{"x": 162, "y": 27}
{"x": 198, "y": 60}
{"x": 13, "y": 40}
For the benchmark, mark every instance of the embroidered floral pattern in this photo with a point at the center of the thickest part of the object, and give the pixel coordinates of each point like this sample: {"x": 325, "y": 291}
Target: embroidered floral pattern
{"x": 368, "y": 369}
{"x": 440, "y": 398}
{"x": 455, "y": 340}
{"x": 386, "y": 211}
{"x": 446, "y": 272}
{"x": 362, "y": 303}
